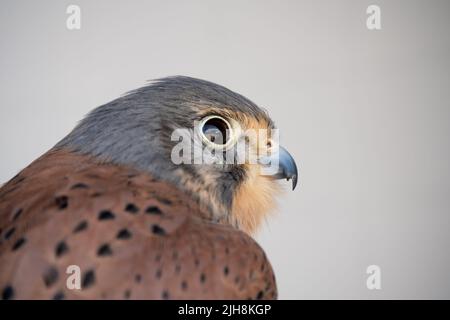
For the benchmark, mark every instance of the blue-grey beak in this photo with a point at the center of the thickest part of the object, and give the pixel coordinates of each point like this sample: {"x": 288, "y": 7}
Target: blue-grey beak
{"x": 287, "y": 168}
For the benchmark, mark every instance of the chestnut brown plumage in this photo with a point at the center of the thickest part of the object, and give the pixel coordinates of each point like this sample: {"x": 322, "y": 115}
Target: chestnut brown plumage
{"x": 108, "y": 199}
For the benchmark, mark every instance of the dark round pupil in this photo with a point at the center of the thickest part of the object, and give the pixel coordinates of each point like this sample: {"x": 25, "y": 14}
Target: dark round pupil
{"x": 215, "y": 130}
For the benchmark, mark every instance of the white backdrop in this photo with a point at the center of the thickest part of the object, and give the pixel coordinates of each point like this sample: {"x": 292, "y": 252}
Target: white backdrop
{"x": 365, "y": 113}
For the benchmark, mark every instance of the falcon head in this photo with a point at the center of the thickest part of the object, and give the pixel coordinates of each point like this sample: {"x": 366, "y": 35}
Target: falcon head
{"x": 190, "y": 133}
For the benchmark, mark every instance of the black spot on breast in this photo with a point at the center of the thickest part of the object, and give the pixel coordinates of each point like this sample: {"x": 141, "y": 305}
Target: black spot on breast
{"x": 8, "y": 293}
{"x": 131, "y": 208}
{"x": 19, "y": 243}
{"x": 61, "y": 249}
{"x": 137, "y": 278}
{"x": 127, "y": 294}
{"x": 80, "y": 186}
{"x": 104, "y": 250}
{"x": 59, "y": 296}
{"x": 158, "y": 273}
{"x": 50, "y": 276}
{"x": 177, "y": 268}
{"x": 165, "y": 295}
{"x": 88, "y": 279}
{"x": 226, "y": 270}
{"x": 156, "y": 229}
{"x": 202, "y": 278}
{"x": 81, "y": 226}
{"x": 123, "y": 234}
{"x": 17, "y": 214}
{"x": 9, "y": 233}
{"x": 184, "y": 285}
{"x": 62, "y": 202}
{"x": 106, "y": 215}
{"x": 153, "y": 210}
{"x": 260, "y": 295}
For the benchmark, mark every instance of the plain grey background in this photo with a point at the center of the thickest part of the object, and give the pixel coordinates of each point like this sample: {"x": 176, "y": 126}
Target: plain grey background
{"x": 365, "y": 113}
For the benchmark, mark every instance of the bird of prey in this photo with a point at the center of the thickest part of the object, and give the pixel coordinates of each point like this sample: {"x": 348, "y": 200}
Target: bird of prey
{"x": 108, "y": 200}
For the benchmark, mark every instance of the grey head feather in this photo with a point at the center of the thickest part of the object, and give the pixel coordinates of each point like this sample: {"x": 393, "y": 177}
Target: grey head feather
{"x": 135, "y": 130}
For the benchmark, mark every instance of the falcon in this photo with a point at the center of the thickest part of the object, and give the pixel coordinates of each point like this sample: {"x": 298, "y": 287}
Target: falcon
{"x": 108, "y": 200}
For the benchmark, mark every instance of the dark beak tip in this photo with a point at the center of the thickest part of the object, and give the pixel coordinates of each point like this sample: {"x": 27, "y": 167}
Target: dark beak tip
{"x": 294, "y": 182}
{"x": 287, "y": 167}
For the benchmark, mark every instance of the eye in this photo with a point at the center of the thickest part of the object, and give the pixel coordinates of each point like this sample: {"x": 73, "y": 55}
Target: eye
{"x": 216, "y": 131}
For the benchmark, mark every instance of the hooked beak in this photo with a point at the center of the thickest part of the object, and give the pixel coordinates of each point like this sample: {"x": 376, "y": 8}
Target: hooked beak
{"x": 287, "y": 168}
